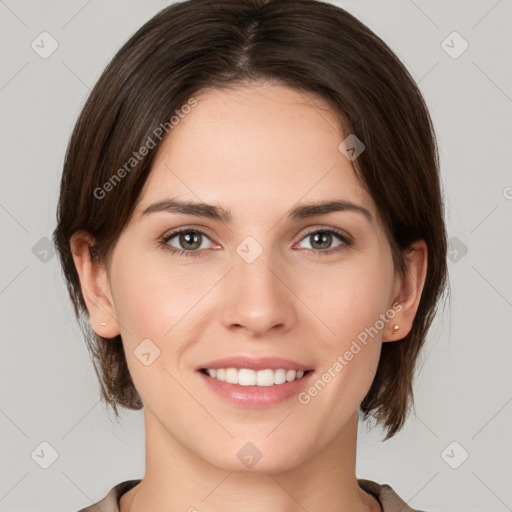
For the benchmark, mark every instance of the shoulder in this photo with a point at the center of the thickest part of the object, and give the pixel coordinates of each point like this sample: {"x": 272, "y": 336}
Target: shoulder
{"x": 388, "y": 498}
{"x": 110, "y": 503}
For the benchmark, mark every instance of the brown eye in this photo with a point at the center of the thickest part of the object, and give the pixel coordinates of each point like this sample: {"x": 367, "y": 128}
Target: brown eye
{"x": 321, "y": 240}
{"x": 188, "y": 242}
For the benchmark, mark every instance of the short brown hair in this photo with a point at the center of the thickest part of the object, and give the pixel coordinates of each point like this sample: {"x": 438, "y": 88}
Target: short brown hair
{"x": 308, "y": 45}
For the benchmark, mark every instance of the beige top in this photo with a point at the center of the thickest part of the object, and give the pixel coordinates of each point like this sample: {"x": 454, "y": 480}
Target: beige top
{"x": 388, "y": 499}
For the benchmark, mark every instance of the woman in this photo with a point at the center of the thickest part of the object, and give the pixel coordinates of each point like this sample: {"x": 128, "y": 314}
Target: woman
{"x": 251, "y": 230}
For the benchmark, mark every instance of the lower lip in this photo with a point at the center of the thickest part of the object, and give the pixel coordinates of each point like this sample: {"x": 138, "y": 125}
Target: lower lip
{"x": 257, "y": 397}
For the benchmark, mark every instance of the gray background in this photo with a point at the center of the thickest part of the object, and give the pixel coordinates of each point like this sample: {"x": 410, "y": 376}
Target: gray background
{"x": 49, "y": 391}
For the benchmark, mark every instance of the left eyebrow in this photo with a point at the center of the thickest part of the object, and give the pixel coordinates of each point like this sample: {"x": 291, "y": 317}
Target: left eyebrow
{"x": 313, "y": 209}
{"x": 213, "y": 212}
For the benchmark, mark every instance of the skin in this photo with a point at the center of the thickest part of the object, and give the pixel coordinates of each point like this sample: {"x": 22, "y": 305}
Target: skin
{"x": 258, "y": 150}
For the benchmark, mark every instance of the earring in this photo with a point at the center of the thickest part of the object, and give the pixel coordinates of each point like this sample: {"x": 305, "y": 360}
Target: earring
{"x": 395, "y": 328}
{"x": 103, "y": 323}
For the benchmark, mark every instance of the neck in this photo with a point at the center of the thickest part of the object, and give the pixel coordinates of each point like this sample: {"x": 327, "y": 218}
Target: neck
{"x": 177, "y": 479}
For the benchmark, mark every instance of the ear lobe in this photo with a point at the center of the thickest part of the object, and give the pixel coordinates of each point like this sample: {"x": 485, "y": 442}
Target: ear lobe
{"x": 95, "y": 286}
{"x": 409, "y": 294}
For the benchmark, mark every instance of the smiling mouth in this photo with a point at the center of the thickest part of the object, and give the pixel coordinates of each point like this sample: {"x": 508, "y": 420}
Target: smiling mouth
{"x": 259, "y": 378}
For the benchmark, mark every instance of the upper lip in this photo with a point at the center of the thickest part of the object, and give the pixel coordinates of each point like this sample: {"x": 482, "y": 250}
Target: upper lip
{"x": 254, "y": 363}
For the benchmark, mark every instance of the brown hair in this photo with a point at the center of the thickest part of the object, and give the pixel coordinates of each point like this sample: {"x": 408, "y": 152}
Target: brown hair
{"x": 308, "y": 45}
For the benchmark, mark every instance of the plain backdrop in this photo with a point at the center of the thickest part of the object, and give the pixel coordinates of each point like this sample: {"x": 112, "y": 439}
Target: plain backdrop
{"x": 453, "y": 454}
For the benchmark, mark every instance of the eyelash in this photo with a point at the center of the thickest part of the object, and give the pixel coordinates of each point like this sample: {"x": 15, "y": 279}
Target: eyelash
{"x": 164, "y": 242}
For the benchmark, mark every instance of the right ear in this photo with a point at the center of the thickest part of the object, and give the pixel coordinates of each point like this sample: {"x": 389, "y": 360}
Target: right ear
{"x": 95, "y": 286}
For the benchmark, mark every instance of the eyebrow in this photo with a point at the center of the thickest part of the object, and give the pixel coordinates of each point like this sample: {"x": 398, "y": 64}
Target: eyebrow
{"x": 218, "y": 213}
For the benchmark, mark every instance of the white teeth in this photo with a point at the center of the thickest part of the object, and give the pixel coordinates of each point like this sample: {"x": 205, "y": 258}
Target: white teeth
{"x": 232, "y": 375}
{"x": 265, "y": 378}
{"x": 279, "y": 376}
{"x": 290, "y": 375}
{"x": 247, "y": 377}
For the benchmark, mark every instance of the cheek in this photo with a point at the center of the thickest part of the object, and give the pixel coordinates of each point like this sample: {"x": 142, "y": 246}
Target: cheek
{"x": 151, "y": 298}
{"x": 153, "y": 302}
{"x": 353, "y": 297}
{"x": 351, "y": 304}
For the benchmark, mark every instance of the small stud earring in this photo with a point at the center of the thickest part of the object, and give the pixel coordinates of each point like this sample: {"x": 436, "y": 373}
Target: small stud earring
{"x": 395, "y": 328}
{"x": 103, "y": 323}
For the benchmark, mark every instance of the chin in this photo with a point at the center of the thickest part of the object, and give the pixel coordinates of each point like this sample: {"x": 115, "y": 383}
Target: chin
{"x": 257, "y": 458}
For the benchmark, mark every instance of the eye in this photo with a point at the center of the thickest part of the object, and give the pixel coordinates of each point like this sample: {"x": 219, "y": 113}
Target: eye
{"x": 192, "y": 242}
{"x": 189, "y": 241}
{"x": 321, "y": 240}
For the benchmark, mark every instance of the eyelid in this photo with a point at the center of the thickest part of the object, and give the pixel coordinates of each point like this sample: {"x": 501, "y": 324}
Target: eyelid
{"x": 174, "y": 232}
{"x": 345, "y": 239}
{"x": 309, "y": 231}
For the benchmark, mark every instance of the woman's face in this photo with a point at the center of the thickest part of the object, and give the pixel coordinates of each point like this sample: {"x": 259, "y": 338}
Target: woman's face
{"x": 261, "y": 284}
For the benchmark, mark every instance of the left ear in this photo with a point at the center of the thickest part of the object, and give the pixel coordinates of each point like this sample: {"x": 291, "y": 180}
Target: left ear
{"x": 407, "y": 297}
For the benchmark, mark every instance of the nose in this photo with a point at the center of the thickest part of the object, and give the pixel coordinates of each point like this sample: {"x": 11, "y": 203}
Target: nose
{"x": 257, "y": 299}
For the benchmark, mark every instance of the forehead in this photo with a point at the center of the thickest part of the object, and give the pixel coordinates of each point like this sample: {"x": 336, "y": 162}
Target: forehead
{"x": 258, "y": 146}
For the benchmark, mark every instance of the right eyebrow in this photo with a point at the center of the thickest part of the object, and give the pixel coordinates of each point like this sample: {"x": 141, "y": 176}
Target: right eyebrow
{"x": 208, "y": 211}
